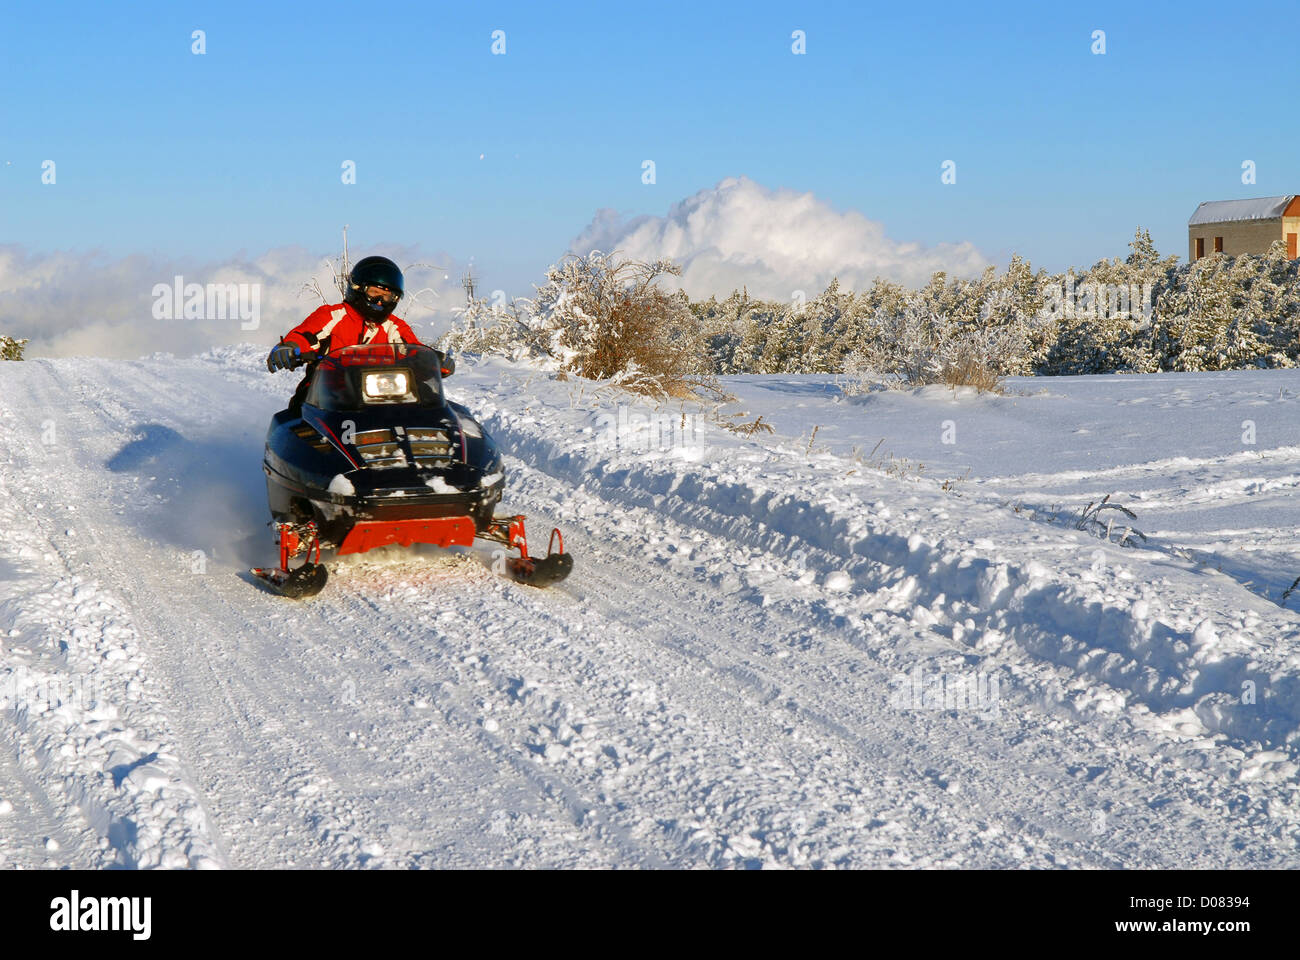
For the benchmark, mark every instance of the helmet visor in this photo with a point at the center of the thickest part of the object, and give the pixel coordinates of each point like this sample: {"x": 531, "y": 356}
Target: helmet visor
{"x": 375, "y": 291}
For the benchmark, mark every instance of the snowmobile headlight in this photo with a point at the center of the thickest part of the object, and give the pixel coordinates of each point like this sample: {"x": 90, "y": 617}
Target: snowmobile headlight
{"x": 471, "y": 427}
{"x": 386, "y": 385}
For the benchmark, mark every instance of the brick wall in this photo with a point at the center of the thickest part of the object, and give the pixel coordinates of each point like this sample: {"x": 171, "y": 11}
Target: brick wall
{"x": 1240, "y": 236}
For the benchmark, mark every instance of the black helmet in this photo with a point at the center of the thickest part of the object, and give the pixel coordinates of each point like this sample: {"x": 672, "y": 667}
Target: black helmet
{"x": 374, "y": 272}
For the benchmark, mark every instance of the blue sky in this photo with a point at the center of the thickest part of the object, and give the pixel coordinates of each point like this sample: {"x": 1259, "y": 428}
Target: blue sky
{"x": 1060, "y": 153}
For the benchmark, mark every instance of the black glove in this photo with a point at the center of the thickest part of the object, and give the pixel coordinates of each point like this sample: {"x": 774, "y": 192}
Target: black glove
{"x": 284, "y": 356}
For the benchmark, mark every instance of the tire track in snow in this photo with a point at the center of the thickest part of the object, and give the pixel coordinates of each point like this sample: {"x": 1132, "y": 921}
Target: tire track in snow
{"x": 691, "y": 716}
{"x": 32, "y": 814}
{"x": 457, "y": 631}
{"x": 1200, "y": 795}
{"x": 89, "y": 709}
{"x": 834, "y": 688}
{"x": 1104, "y": 631}
{"x": 737, "y": 682}
{"x": 240, "y": 713}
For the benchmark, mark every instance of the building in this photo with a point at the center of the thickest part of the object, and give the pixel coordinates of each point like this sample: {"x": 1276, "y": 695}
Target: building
{"x": 1233, "y": 227}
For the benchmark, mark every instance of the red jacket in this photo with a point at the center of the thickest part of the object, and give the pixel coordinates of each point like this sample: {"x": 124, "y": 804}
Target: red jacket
{"x": 338, "y": 325}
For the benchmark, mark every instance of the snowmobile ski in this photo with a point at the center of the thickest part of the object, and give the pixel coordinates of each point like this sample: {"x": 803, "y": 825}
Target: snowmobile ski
{"x": 305, "y": 580}
{"x": 534, "y": 571}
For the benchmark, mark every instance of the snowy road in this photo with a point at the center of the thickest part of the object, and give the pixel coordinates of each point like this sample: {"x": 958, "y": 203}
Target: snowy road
{"x": 717, "y": 684}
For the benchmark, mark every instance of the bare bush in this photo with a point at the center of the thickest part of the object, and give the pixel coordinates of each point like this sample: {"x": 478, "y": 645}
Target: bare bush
{"x": 601, "y": 318}
{"x": 1091, "y": 520}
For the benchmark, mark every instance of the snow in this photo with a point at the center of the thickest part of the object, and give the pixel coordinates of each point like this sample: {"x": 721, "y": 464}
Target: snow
{"x": 773, "y": 652}
{"x": 439, "y": 485}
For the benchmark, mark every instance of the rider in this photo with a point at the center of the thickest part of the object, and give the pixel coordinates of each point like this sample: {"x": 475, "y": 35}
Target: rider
{"x": 365, "y": 316}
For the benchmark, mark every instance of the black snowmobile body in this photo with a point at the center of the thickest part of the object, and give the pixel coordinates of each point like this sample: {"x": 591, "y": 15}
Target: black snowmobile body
{"x": 379, "y": 455}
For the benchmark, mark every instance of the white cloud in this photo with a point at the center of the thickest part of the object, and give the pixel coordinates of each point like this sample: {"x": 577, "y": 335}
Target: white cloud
{"x": 79, "y": 304}
{"x": 735, "y": 234}
{"x": 741, "y": 233}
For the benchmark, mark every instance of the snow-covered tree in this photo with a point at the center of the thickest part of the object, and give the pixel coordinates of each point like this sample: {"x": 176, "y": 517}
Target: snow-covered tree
{"x": 1139, "y": 314}
{"x": 603, "y": 318}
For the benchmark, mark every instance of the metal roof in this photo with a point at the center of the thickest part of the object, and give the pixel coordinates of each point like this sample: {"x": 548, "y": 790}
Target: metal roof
{"x": 1224, "y": 211}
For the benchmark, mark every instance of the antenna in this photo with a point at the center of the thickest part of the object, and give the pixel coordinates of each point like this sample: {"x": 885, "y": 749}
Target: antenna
{"x": 468, "y": 281}
{"x": 345, "y": 269}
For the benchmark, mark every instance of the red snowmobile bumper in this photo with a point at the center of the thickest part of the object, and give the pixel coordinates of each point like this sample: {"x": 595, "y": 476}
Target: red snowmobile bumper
{"x": 442, "y": 531}
{"x": 309, "y": 578}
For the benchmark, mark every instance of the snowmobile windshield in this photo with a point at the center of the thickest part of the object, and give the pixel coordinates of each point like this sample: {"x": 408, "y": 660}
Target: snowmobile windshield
{"x": 357, "y": 378}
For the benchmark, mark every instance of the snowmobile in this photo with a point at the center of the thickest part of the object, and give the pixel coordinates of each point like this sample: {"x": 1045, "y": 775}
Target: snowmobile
{"x": 379, "y": 456}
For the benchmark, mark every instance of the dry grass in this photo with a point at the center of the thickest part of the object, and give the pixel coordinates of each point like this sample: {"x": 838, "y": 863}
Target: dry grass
{"x": 887, "y": 463}
{"x": 971, "y": 372}
{"x": 732, "y": 422}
